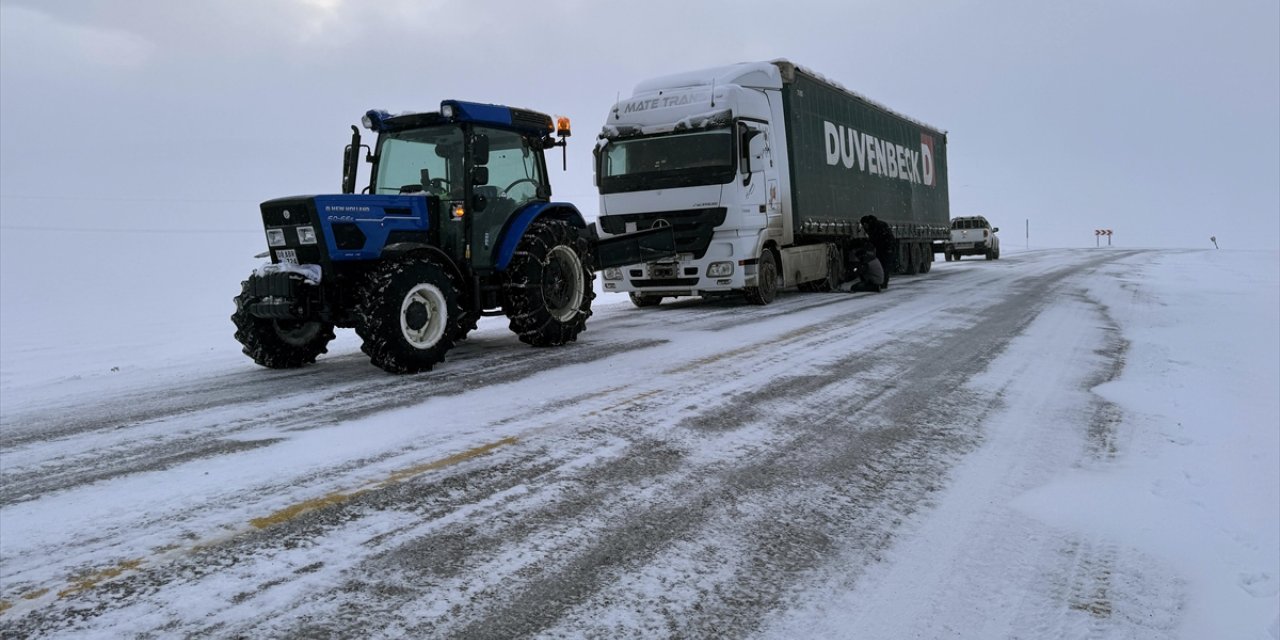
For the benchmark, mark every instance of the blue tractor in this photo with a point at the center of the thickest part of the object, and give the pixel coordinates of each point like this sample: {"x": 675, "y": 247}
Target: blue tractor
{"x": 456, "y": 223}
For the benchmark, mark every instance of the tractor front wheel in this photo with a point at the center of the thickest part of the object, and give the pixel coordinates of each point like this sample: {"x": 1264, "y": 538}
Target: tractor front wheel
{"x": 279, "y": 344}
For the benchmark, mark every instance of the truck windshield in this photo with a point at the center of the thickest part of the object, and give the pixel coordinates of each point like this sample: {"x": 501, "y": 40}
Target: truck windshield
{"x": 421, "y": 160}
{"x": 668, "y": 160}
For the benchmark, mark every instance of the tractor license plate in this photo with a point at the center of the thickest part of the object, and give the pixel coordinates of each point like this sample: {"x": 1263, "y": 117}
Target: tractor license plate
{"x": 287, "y": 256}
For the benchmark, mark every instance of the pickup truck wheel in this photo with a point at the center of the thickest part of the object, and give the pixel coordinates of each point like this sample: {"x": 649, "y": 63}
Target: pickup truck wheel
{"x": 991, "y": 255}
{"x": 278, "y": 344}
{"x": 956, "y": 256}
{"x": 766, "y": 288}
{"x": 409, "y": 316}
{"x": 548, "y": 292}
{"x": 642, "y": 301}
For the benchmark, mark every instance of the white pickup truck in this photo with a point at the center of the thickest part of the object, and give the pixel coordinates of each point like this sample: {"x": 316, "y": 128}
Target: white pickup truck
{"x": 973, "y": 236}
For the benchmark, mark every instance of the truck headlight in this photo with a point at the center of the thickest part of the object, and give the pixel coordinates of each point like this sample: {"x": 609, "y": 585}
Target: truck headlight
{"x": 719, "y": 269}
{"x": 306, "y": 235}
{"x": 275, "y": 237}
{"x": 613, "y": 273}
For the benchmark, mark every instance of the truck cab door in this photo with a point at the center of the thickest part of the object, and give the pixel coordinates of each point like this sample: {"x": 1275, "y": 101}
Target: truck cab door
{"x": 760, "y": 175}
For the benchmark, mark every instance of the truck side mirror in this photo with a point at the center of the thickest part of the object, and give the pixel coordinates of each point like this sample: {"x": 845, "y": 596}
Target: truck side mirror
{"x": 480, "y": 150}
{"x": 752, "y": 145}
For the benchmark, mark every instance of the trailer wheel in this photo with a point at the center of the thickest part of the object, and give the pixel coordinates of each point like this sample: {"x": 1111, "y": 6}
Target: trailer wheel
{"x": 409, "y": 317}
{"x": 926, "y": 259}
{"x": 835, "y": 271}
{"x": 912, "y": 266}
{"x": 548, "y": 292}
{"x": 642, "y": 301}
{"x": 766, "y": 288}
{"x": 278, "y": 344}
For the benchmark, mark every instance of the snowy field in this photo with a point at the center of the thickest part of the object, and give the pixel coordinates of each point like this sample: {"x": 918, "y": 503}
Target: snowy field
{"x": 1068, "y": 443}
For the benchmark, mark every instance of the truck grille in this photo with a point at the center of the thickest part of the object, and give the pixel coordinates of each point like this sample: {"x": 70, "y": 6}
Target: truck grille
{"x": 693, "y": 228}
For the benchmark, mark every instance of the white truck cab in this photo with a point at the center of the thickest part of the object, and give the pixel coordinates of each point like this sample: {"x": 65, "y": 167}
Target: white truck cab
{"x": 705, "y": 153}
{"x": 973, "y": 236}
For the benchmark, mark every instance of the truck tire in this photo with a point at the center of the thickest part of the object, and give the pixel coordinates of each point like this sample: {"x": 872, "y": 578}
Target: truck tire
{"x": 279, "y": 344}
{"x": 548, "y": 292}
{"x": 947, "y": 255}
{"x": 991, "y": 255}
{"x": 912, "y": 252}
{"x": 926, "y": 259}
{"x": 642, "y": 301}
{"x": 766, "y": 288}
{"x": 409, "y": 316}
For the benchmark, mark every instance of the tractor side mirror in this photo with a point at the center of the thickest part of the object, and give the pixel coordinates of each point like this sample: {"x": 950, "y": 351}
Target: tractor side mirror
{"x": 480, "y": 150}
{"x": 479, "y": 176}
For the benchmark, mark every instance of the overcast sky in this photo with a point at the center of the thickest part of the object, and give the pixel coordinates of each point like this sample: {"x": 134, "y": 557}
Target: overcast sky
{"x": 1159, "y": 120}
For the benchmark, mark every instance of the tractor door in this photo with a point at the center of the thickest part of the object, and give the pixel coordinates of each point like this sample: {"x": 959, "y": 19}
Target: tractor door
{"x": 514, "y": 175}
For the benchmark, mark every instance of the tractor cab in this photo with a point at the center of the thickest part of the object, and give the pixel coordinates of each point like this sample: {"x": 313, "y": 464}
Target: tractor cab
{"x": 477, "y": 164}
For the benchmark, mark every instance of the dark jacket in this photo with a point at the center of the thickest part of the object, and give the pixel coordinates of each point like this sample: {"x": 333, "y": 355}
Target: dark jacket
{"x": 882, "y": 239}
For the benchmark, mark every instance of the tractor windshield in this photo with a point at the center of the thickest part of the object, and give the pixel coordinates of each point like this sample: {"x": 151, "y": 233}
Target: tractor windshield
{"x": 668, "y": 160}
{"x": 421, "y": 160}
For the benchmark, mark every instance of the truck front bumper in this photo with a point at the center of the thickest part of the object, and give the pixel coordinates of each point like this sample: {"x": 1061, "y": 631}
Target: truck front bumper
{"x": 726, "y": 267}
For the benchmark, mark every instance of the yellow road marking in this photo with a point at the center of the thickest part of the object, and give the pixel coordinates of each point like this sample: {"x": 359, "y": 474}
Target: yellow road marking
{"x": 92, "y": 579}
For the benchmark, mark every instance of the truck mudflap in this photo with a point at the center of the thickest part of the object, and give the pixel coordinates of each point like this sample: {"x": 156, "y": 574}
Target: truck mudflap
{"x": 634, "y": 248}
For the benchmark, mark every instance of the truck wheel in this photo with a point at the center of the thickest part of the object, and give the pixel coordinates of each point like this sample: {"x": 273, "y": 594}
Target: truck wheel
{"x": 643, "y": 301}
{"x": 548, "y": 292}
{"x": 409, "y": 316}
{"x": 279, "y": 344}
{"x": 766, "y": 288}
{"x": 912, "y": 265}
{"x": 956, "y": 256}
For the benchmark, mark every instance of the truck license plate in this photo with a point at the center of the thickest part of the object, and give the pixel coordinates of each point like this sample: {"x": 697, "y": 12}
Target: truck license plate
{"x": 662, "y": 271}
{"x": 287, "y": 256}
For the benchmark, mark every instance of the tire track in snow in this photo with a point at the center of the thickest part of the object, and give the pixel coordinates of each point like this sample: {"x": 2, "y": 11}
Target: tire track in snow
{"x": 634, "y": 543}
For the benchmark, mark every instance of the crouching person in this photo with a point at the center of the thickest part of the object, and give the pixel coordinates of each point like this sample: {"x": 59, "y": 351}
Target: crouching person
{"x": 868, "y": 272}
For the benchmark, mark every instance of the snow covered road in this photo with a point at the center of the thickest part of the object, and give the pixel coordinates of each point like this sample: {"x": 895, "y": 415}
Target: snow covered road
{"x": 831, "y": 465}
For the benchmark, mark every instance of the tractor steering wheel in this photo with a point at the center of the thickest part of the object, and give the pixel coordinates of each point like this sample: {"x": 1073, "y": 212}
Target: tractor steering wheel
{"x": 535, "y": 183}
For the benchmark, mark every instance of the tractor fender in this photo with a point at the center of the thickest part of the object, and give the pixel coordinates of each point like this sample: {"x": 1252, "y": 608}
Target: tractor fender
{"x": 519, "y": 223}
{"x": 400, "y": 249}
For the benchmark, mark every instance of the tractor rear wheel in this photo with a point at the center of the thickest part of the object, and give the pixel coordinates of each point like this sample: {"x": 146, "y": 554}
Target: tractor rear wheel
{"x": 548, "y": 291}
{"x": 409, "y": 317}
{"x": 279, "y": 344}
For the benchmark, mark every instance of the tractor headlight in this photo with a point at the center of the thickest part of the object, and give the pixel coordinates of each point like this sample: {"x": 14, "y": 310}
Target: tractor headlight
{"x": 719, "y": 269}
{"x": 275, "y": 237}
{"x": 613, "y": 273}
{"x": 306, "y": 235}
